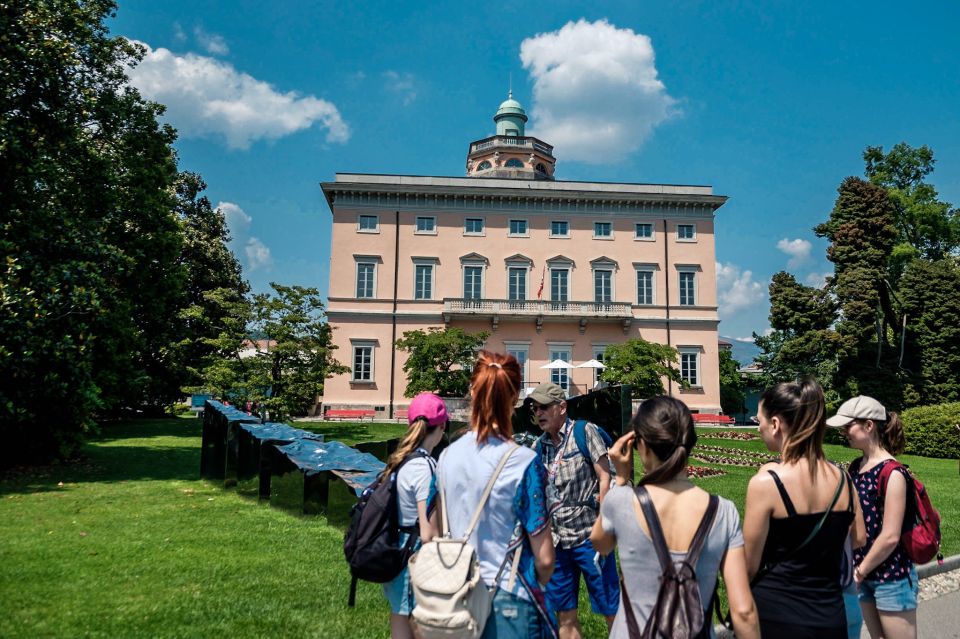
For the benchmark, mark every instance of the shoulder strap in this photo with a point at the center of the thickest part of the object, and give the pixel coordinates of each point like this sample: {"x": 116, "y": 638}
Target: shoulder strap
{"x": 511, "y": 448}
{"x": 703, "y": 530}
{"x": 885, "y": 472}
{"x": 580, "y": 437}
{"x": 653, "y": 524}
{"x": 787, "y": 502}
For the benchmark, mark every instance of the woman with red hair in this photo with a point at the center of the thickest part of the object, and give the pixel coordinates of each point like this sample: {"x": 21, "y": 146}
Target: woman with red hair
{"x": 515, "y": 517}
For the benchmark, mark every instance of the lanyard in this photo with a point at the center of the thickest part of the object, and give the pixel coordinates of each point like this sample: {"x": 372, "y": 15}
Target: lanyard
{"x": 561, "y": 448}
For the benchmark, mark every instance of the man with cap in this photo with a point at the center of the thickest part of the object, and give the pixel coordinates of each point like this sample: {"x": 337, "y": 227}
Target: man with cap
{"x": 578, "y": 477}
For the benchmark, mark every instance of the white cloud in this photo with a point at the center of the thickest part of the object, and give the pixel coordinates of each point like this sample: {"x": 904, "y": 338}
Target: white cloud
{"x": 817, "y": 280}
{"x": 178, "y": 33}
{"x": 210, "y": 98}
{"x": 211, "y": 42}
{"x": 736, "y": 289}
{"x": 596, "y": 95}
{"x": 402, "y": 84}
{"x": 257, "y": 253}
{"x": 747, "y": 340}
{"x": 798, "y": 250}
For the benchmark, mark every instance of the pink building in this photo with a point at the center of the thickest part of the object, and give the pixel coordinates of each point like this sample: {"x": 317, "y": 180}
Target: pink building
{"x": 551, "y": 269}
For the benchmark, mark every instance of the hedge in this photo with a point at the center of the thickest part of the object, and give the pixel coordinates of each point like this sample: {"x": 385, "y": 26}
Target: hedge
{"x": 931, "y": 431}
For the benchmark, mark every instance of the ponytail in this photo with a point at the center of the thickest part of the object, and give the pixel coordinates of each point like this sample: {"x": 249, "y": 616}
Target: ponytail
{"x": 666, "y": 426}
{"x": 494, "y": 389}
{"x": 411, "y": 440}
{"x": 891, "y": 434}
{"x": 802, "y": 410}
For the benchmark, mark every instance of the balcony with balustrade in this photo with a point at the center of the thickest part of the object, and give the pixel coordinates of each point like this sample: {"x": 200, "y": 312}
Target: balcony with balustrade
{"x": 497, "y": 310}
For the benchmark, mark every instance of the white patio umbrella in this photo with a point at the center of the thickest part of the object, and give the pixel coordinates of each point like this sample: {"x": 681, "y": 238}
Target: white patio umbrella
{"x": 595, "y": 365}
{"x": 557, "y": 364}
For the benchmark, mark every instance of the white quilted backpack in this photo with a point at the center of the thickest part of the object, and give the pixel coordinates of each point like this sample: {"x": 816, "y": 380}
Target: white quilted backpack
{"x": 451, "y": 598}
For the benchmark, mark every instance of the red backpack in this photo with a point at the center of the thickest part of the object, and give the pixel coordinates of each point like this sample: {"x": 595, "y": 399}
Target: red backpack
{"x": 921, "y": 521}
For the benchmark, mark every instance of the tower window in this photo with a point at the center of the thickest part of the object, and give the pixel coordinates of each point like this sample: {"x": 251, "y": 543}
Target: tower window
{"x": 483, "y": 166}
{"x": 540, "y": 168}
{"x": 514, "y": 163}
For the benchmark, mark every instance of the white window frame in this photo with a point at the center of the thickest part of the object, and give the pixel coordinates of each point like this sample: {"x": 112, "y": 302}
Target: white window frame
{"x": 376, "y": 219}
{"x": 652, "y": 270}
{"x": 560, "y": 267}
{"x": 559, "y": 235}
{"x": 416, "y": 225}
{"x": 526, "y": 280}
{"x": 643, "y": 238}
{"x": 483, "y": 223}
{"x": 355, "y": 345}
{"x": 560, "y": 376}
{"x": 606, "y": 268}
{"x": 425, "y": 262}
{"x": 463, "y": 278}
{"x": 695, "y": 352}
{"x": 692, "y": 238}
{"x": 520, "y": 347}
{"x": 365, "y": 261}
{"x": 526, "y": 226}
{"x": 692, "y": 271}
{"x": 609, "y": 223}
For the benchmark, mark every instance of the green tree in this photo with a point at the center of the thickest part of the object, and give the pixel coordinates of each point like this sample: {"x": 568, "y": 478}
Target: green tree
{"x": 440, "y": 360}
{"x": 642, "y": 364}
{"x": 732, "y": 387}
{"x": 288, "y": 377}
{"x": 88, "y": 247}
{"x": 214, "y": 288}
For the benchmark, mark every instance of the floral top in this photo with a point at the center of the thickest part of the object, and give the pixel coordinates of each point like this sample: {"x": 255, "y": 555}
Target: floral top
{"x": 897, "y": 565}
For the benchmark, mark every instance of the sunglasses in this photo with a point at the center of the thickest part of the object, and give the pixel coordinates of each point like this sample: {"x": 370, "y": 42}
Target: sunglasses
{"x": 535, "y": 407}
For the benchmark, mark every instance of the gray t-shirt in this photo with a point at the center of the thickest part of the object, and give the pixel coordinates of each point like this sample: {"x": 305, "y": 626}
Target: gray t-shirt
{"x": 638, "y": 558}
{"x": 413, "y": 485}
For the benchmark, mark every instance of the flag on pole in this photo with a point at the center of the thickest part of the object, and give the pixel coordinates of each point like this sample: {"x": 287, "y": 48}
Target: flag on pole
{"x": 540, "y": 290}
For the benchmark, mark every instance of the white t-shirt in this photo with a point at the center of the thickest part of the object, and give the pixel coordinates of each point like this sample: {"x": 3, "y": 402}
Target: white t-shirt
{"x": 413, "y": 485}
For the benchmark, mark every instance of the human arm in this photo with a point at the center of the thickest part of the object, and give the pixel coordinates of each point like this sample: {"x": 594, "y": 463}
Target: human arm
{"x": 621, "y": 454}
{"x": 602, "y": 468}
{"x": 756, "y": 519}
{"x": 894, "y": 506}
{"x": 600, "y": 460}
{"x": 543, "y": 554}
{"x": 603, "y": 542}
{"x": 428, "y": 524}
{"x": 743, "y": 610}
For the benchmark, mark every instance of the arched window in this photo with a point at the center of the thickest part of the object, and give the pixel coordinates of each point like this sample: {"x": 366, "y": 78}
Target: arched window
{"x": 540, "y": 168}
{"x": 514, "y": 163}
{"x": 483, "y": 166}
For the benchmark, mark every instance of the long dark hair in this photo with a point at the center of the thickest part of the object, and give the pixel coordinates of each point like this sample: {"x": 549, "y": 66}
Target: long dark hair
{"x": 802, "y": 409}
{"x": 891, "y": 434}
{"x": 494, "y": 389}
{"x": 666, "y": 426}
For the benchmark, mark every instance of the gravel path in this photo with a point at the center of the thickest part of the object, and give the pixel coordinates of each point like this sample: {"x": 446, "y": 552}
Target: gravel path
{"x": 938, "y": 585}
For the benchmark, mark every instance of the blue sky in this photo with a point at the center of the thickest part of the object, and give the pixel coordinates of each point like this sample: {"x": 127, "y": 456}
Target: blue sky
{"x": 771, "y": 103}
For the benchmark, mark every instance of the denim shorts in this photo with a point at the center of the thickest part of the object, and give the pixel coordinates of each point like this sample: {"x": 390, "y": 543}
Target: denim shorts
{"x": 512, "y": 618}
{"x": 399, "y": 592}
{"x": 600, "y": 573}
{"x": 892, "y": 596}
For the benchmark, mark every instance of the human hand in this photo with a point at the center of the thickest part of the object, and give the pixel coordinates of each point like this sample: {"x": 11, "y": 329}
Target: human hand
{"x": 857, "y": 576}
{"x": 621, "y": 454}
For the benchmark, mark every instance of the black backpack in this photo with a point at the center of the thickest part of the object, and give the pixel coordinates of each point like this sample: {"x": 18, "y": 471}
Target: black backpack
{"x": 371, "y": 545}
{"x": 678, "y": 612}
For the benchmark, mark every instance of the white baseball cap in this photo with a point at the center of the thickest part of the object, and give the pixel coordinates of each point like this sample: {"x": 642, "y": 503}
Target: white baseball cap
{"x": 859, "y": 407}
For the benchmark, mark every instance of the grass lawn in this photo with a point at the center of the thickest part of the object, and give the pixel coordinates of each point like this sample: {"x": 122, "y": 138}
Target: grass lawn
{"x": 130, "y": 543}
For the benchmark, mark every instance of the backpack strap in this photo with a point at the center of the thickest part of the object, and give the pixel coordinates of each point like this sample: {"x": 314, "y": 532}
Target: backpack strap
{"x": 885, "y": 472}
{"x": 580, "y": 439}
{"x": 512, "y": 448}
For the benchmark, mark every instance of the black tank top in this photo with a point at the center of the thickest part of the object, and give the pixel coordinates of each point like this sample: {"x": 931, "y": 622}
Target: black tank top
{"x": 803, "y": 587}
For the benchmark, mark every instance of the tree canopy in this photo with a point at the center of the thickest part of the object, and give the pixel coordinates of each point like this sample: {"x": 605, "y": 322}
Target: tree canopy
{"x": 642, "y": 364}
{"x": 440, "y": 360}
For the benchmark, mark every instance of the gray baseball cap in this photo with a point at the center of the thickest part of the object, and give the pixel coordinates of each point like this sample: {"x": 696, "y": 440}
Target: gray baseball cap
{"x": 859, "y": 407}
{"x": 547, "y": 393}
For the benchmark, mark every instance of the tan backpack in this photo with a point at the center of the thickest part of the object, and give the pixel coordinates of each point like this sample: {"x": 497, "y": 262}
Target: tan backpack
{"x": 451, "y": 598}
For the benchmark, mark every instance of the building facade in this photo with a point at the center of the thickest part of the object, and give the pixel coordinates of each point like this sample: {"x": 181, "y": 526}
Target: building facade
{"x": 550, "y": 269}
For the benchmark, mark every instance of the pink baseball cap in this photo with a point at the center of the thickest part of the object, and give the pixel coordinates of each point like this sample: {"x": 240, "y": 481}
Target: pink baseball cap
{"x": 428, "y": 406}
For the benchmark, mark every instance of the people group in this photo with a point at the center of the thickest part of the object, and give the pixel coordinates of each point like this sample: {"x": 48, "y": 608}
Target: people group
{"x": 818, "y": 550}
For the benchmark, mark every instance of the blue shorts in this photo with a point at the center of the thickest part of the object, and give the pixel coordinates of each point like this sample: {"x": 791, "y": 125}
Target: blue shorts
{"x": 603, "y": 585}
{"x": 892, "y": 596}
{"x": 399, "y": 592}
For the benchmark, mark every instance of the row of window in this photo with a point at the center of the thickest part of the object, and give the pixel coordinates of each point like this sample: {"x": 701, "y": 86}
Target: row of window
{"x": 363, "y": 352}
{"x": 427, "y": 225}
{"x": 517, "y": 276}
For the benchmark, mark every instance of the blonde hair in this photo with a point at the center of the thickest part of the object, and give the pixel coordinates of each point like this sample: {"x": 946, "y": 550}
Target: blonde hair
{"x": 416, "y": 433}
{"x": 802, "y": 409}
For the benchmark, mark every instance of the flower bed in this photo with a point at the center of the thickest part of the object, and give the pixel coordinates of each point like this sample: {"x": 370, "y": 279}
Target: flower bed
{"x": 702, "y": 471}
{"x": 730, "y": 434}
{"x": 730, "y": 456}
